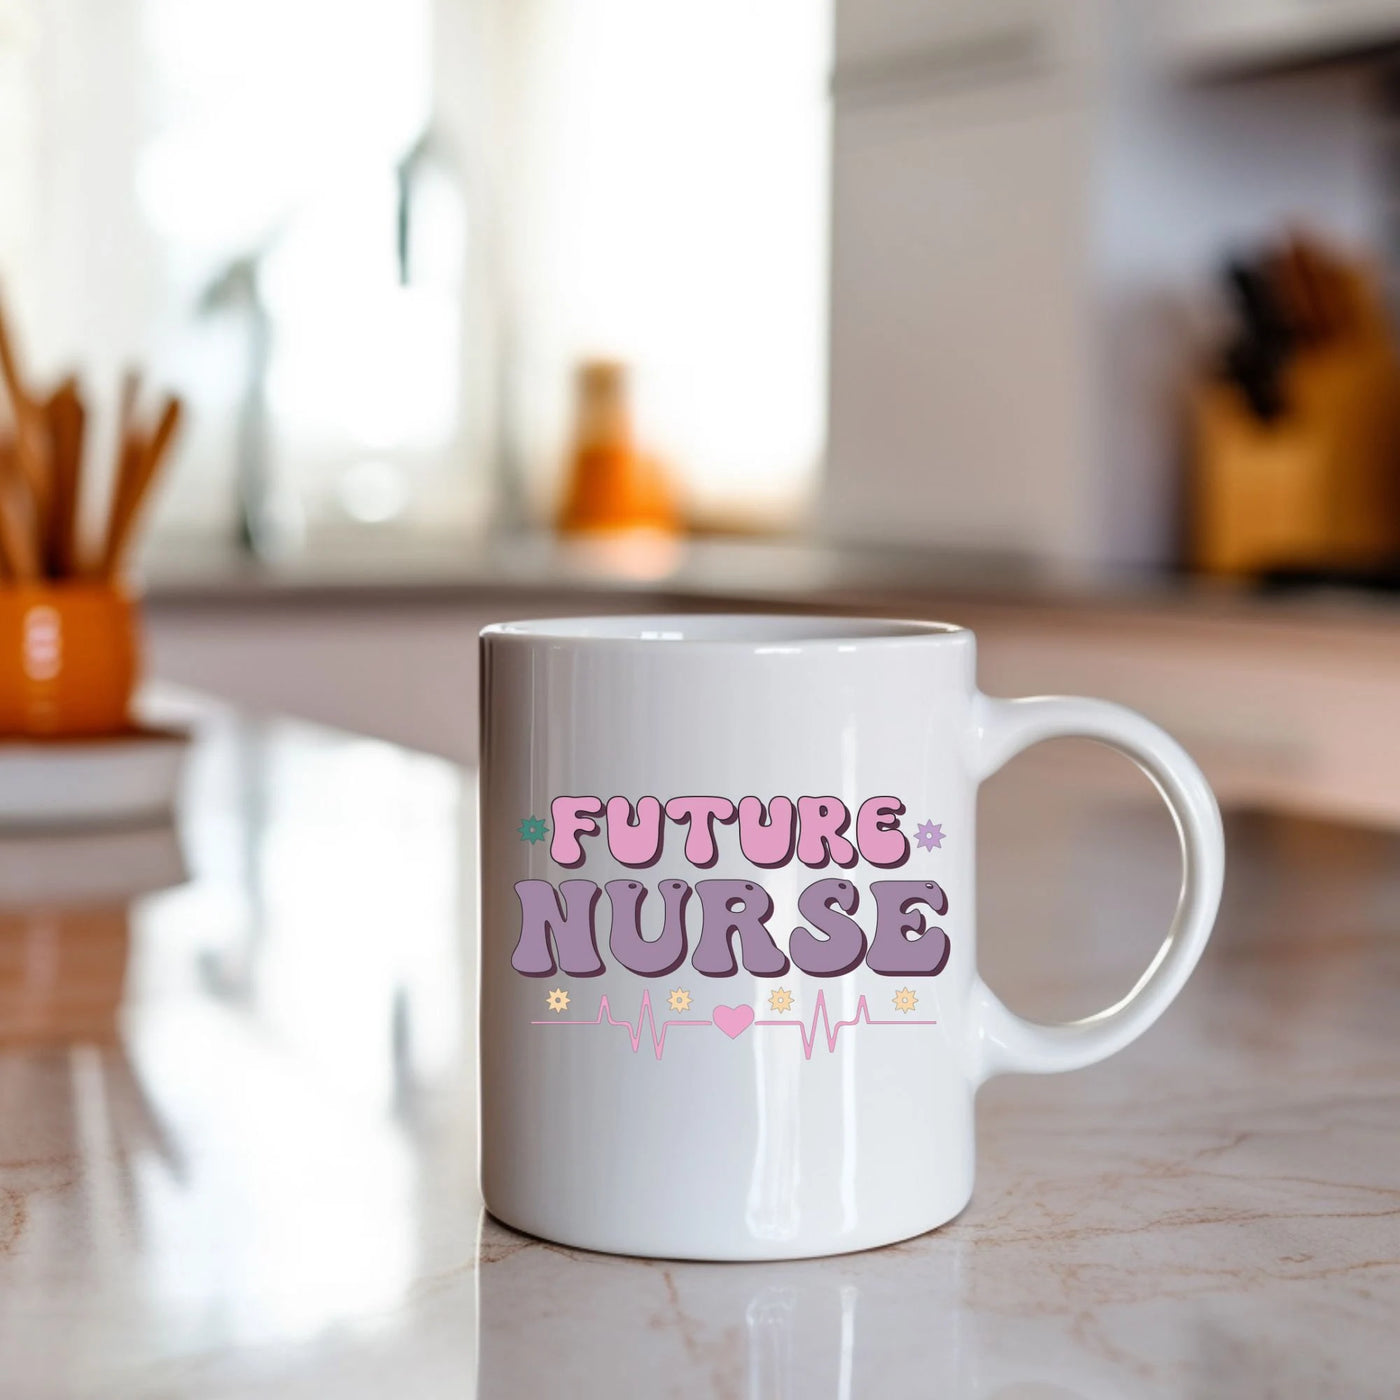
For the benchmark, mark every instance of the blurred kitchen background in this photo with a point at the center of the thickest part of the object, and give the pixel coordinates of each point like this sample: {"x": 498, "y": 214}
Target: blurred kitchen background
{"x": 1068, "y": 319}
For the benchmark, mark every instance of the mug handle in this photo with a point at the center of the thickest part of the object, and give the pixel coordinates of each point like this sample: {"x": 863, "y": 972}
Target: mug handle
{"x": 1001, "y": 1041}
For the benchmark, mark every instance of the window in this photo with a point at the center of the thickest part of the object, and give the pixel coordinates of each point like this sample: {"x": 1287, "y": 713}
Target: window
{"x": 370, "y": 239}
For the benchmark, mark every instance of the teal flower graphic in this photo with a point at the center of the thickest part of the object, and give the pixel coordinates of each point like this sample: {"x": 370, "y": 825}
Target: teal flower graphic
{"x": 533, "y": 829}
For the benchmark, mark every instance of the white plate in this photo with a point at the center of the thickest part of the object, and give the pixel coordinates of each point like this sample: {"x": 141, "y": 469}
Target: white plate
{"x": 52, "y": 783}
{"x": 86, "y": 867}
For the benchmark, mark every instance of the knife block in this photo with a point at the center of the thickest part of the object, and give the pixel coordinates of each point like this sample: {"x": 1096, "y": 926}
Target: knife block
{"x": 1317, "y": 488}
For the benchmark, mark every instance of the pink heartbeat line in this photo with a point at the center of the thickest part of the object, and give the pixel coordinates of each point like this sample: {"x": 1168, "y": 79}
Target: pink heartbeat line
{"x": 809, "y": 1035}
{"x": 819, "y": 1013}
{"x": 658, "y": 1040}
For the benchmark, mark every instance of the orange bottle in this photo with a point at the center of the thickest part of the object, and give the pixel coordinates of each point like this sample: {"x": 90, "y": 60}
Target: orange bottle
{"x": 610, "y": 486}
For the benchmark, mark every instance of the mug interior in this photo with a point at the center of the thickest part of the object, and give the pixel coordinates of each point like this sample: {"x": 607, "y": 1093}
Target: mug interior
{"x": 735, "y": 629}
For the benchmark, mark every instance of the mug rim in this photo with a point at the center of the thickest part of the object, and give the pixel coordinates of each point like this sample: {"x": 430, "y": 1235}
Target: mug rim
{"x": 751, "y": 632}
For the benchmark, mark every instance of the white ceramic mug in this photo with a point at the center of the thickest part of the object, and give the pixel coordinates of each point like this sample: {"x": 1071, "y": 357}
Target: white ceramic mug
{"x": 730, "y": 1006}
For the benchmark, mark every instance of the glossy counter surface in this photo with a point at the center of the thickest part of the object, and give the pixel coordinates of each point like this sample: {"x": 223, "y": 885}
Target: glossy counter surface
{"x": 237, "y": 1124}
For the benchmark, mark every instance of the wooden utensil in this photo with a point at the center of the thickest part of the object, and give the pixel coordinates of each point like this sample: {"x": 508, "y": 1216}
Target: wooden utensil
{"x": 41, "y": 463}
{"x": 27, "y": 464}
{"x": 141, "y": 459}
{"x": 66, "y": 420}
{"x": 17, "y": 533}
{"x": 9, "y": 368}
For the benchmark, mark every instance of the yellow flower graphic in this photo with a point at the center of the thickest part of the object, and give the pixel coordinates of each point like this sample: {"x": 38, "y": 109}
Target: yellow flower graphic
{"x": 780, "y": 1000}
{"x": 558, "y": 1000}
{"x": 679, "y": 1000}
{"x": 905, "y": 1000}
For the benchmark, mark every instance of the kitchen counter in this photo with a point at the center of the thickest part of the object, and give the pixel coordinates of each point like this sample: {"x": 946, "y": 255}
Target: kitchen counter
{"x": 709, "y": 573}
{"x": 237, "y": 1122}
{"x": 397, "y": 565}
{"x": 1287, "y": 701}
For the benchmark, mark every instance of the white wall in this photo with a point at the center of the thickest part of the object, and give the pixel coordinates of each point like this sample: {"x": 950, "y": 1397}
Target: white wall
{"x": 957, "y": 396}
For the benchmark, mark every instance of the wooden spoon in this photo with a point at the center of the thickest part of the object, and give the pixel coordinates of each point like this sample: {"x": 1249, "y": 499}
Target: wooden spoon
{"x": 66, "y": 420}
{"x": 18, "y": 537}
{"x": 141, "y": 461}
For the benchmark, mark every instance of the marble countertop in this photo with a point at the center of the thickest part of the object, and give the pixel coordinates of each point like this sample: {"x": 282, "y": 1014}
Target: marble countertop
{"x": 237, "y": 1123}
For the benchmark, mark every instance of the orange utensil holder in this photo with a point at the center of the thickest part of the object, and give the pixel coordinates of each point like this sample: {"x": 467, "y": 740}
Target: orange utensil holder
{"x": 69, "y": 659}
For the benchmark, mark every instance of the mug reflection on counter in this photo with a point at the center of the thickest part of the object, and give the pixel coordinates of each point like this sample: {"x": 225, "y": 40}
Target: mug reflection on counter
{"x": 760, "y": 1331}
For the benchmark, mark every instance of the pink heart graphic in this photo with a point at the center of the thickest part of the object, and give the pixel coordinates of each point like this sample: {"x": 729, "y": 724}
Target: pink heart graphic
{"x": 733, "y": 1020}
